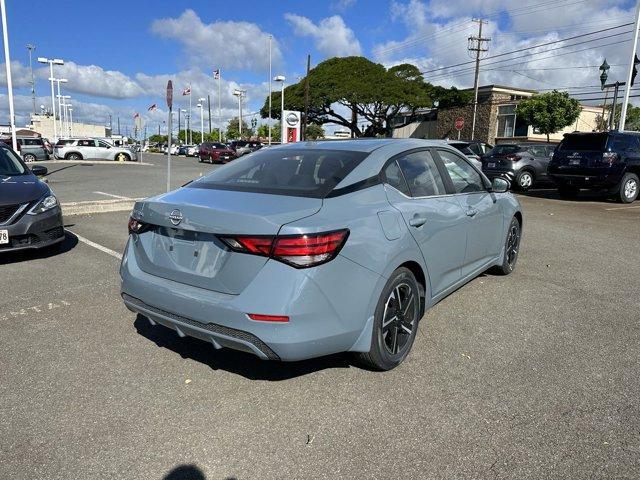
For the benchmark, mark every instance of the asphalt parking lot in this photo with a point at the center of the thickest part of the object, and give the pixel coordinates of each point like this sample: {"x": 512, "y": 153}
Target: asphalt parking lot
{"x": 534, "y": 375}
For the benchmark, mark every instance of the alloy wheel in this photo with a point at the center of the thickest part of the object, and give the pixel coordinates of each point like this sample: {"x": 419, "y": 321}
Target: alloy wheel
{"x": 399, "y": 318}
{"x": 513, "y": 242}
{"x": 630, "y": 188}
{"x": 526, "y": 180}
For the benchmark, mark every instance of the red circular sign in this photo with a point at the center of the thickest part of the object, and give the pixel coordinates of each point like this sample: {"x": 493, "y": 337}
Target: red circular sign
{"x": 170, "y": 94}
{"x": 459, "y": 123}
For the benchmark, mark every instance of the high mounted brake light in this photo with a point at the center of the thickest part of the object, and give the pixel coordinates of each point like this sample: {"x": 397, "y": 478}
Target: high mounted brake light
{"x": 299, "y": 251}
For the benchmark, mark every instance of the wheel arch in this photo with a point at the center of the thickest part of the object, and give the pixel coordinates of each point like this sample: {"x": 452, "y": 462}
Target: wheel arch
{"x": 518, "y": 216}
{"x": 421, "y": 278}
{"x": 74, "y": 152}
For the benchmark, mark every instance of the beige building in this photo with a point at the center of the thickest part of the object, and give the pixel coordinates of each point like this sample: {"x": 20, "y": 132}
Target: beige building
{"x": 43, "y": 124}
{"x": 496, "y": 120}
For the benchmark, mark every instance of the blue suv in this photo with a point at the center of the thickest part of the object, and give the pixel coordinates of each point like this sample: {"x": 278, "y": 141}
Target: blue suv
{"x": 607, "y": 161}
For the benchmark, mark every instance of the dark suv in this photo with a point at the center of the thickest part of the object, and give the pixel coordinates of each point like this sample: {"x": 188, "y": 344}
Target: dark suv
{"x": 607, "y": 161}
{"x": 523, "y": 164}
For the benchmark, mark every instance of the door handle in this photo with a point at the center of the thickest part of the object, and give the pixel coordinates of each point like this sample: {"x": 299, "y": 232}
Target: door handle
{"x": 417, "y": 221}
{"x": 471, "y": 212}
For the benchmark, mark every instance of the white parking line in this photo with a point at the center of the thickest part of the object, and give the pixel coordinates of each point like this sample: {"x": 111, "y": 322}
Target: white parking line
{"x": 623, "y": 208}
{"x": 113, "y": 196}
{"x": 113, "y": 253}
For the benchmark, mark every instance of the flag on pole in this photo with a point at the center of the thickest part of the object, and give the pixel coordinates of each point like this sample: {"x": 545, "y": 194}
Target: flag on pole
{"x": 186, "y": 91}
{"x": 153, "y": 108}
{"x": 216, "y": 74}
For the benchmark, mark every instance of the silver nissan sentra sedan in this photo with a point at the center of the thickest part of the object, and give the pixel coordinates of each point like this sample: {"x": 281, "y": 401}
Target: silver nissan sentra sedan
{"x": 315, "y": 248}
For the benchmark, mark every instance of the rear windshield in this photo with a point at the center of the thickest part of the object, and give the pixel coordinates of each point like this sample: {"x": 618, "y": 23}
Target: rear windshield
{"x": 10, "y": 163}
{"x": 295, "y": 172}
{"x": 578, "y": 143}
{"x": 505, "y": 149}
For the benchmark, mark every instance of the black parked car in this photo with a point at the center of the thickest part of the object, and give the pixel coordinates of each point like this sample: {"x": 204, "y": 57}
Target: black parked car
{"x": 607, "y": 161}
{"x": 30, "y": 216}
{"x": 523, "y": 164}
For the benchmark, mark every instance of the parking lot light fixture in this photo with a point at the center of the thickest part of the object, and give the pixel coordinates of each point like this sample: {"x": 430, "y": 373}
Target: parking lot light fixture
{"x": 201, "y": 105}
{"x": 240, "y": 94}
{"x": 7, "y": 58}
{"x": 52, "y": 62}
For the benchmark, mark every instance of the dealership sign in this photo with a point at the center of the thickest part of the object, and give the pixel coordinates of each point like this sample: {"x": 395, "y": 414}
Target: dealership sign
{"x": 291, "y": 126}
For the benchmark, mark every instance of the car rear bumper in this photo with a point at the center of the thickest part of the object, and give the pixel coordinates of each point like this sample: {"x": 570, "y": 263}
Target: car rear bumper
{"x": 34, "y": 231}
{"x": 586, "y": 180}
{"x": 325, "y": 316}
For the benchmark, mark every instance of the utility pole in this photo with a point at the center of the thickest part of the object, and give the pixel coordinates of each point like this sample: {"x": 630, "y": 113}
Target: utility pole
{"x": 306, "y": 99}
{"x": 632, "y": 67}
{"x": 270, "y": 80}
{"x": 110, "y": 124}
{"x": 31, "y": 48}
{"x": 477, "y": 45}
{"x": 118, "y": 125}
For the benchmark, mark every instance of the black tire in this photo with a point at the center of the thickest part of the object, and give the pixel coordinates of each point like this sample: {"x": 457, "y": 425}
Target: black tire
{"x": 568, "y": 191}
{"x": 73, "y": 156}
{"x": 524, "y": 180}
{"x": 628, "y": 188}
{"x": 393, "y": 333}
{"x": 511, "y": 249}
{"x": 29, "y": 157}
{"x": 200, "y": 159}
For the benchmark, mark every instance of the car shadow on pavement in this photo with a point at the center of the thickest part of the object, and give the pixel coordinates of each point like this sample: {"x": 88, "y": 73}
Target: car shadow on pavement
{"x": 552, "y": 194}
{"x": 233, "y": 361}
{"x": 69, "y": 243}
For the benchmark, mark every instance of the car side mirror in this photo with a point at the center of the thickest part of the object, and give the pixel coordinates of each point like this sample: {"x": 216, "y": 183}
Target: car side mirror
{"x": 39, "y": 170}
{"x": 500, "y": 185}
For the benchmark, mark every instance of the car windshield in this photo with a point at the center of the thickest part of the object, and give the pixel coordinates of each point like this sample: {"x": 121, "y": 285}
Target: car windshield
{"x": 10, "y": 163}
{"x": 220, "y": 146}
{"x": 463, "y": 147}
{"x": 505, "y": 149}
{"x": 295, "y": 172}
{"x": 594, "y": 141}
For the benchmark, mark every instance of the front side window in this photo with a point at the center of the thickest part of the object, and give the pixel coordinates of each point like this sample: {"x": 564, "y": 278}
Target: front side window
{"x": 465, "y": 178}
{"x": 421, "y": 174}
{"x": 300, "y": 172}
{"x": 103, "y": 144}
{"x": 86, "y": 143}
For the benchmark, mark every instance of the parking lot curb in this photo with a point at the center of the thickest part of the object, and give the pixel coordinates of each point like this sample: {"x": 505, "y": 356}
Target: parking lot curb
{"x": 98, "y": 206}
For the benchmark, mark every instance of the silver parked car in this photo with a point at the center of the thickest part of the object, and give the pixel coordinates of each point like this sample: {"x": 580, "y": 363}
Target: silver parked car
{"x": 92, "y": 148}
{"x": 310, "y": 249}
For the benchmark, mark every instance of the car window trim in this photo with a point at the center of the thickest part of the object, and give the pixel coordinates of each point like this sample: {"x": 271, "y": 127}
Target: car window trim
{"x": 394, "y": 158}
{"x": 483, "y": 178}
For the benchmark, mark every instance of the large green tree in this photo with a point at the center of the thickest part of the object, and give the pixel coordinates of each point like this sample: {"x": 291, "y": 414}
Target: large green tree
{"x": 549, "y": 112}
{"x": 368, "y": 93}
{"x": 233, "y": 129}
{"x": 314, "y": 132}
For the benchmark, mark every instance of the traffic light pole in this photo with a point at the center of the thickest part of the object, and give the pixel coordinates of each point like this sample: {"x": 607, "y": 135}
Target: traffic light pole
{"x": 632, "y": 66}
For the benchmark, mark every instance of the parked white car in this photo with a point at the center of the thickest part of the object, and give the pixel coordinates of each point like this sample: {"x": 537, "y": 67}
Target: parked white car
{"x": 192, "y": 151}
{"x": 92, "y": 148}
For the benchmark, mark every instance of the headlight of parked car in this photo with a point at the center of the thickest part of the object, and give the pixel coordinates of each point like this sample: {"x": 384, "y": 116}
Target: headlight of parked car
{"x": 47, "y": 203}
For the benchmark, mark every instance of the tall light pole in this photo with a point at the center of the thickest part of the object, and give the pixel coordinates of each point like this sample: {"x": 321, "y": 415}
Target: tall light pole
{"x": 270, "y": 80}
{"x": 281, "y": 79}
{"x": 70, "y": 121}
{"x": 632, "y": 66}
{"x": 31, "y": 48}
{"x": 59, "y": 97}
{"x": 65, "y": 115}
{"x": 240, "y": 95}
{"x": 7, "y": 61}
{"x": 52, "y": 62}
{"x": 201, "y": 105}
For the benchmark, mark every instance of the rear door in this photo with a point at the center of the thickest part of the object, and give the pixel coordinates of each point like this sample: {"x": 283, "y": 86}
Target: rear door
{"x": 435, "y": 219}
{"x": 87, "y": 148}
{"x": 483, "y": 217}
{"x": 540, "y": 159}
{"x": 102, "y": 150}
{"x": 581, "y": 154}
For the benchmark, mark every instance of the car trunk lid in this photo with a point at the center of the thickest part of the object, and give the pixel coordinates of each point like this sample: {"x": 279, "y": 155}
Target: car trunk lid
{"x": 189, "y": 250}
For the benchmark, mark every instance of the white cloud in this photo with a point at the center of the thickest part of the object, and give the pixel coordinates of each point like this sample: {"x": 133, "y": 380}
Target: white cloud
{"x": 225, "y": 44}
{"x": 342, "y": 5}
{"x": 20, "y": 75}
{"x": 332, "y": 37}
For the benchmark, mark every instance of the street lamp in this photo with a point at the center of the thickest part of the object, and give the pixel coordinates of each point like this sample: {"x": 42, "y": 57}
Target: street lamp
{"x": 59, "y": 97}
{"x": 181, "y": 111}
{"x": 70, "y": 119}
{"x": 65, "y": 116}
{"x": 240, "y": 95}
{"x": 31, "y": 48}
{"x": 52, "y": 62}
{"x": 281, "y": 78}
{"x": 201, "y": 105}
{"x": 7, "y": 61}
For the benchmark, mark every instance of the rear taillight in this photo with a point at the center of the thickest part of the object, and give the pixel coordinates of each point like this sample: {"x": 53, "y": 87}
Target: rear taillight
{"x": 136, "y": 226}
{"x": 299, "y": 251}
{"x": 512, "y": 157}
{"x": 609, "y": 157}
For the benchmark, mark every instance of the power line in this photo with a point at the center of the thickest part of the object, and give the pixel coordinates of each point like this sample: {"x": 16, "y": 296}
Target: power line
{"x": 539, "y": 46}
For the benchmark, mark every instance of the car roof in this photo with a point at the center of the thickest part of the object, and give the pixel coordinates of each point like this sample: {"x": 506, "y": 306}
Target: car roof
{"x": 366, "y": 144}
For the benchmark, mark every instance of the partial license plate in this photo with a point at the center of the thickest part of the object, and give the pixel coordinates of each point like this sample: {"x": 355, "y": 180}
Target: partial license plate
{"x": 4, "y": 237}
{"x": 574, "y": 161}
{"x": 491, "y": 165}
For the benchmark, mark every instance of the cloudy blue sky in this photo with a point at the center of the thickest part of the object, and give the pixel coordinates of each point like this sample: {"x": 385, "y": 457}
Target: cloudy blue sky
{"x": 119, "y": 55}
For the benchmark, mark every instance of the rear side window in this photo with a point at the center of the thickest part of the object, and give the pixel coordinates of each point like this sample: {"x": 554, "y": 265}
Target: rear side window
{"x": 505, "y": 149}
{"x": 33, "y": 141}
{"x": 465, "y": 178}
{"x": 62, "y": 143}
{"x": 393, "y": 176}
{"x": 538, "y": 150}
{"x": 593, "y": 142}
{"x": 421, "y": 174}
{"x": 86, "y": 143}
{"x": 623, "y": 143}
{"x": 294, "y": 172}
